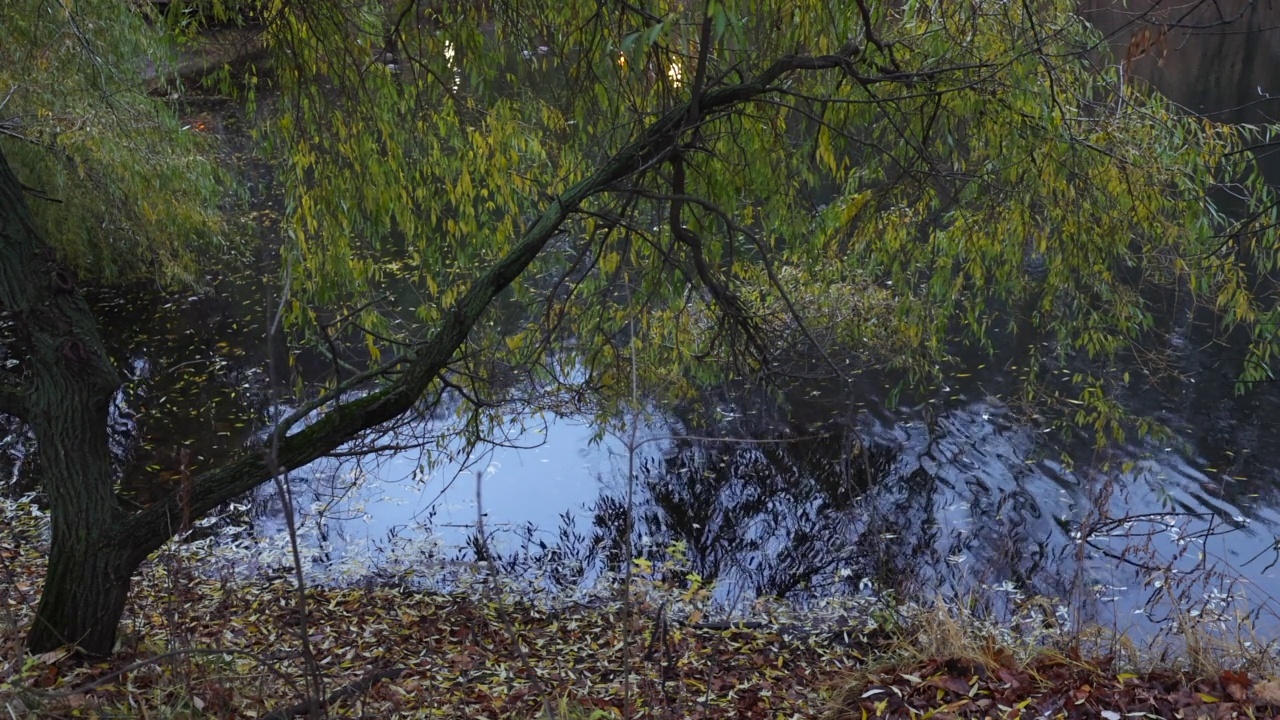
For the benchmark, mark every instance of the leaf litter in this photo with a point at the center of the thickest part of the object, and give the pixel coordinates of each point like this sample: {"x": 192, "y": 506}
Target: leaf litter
{"x": 482, "y": 650}
{"x": 227, "y": 648}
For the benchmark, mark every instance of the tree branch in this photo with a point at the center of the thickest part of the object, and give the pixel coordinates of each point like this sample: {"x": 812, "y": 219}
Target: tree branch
{"x": 147, "y": 530}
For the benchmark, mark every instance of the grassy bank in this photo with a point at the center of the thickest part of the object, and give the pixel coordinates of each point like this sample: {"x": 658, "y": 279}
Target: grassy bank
{"x": 195, "y": 646}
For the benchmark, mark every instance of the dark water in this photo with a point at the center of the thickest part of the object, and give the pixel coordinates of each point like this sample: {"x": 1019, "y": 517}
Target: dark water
{"x": 823, "y": 490}
{"x": 1218, "y": 58}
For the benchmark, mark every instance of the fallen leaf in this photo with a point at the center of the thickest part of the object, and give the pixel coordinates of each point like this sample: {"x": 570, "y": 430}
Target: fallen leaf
{"x": 1234, "y": 684}
{"x": 952, "y": 683}
{"x": 1268, "y": 692}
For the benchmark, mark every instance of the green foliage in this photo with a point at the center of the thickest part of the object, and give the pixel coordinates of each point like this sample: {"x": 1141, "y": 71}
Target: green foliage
{"x": 889, "y": 207}
{"x": 967, "y": 173}
{"x": 137, "y": 192}
{"x": 187, "y": 18}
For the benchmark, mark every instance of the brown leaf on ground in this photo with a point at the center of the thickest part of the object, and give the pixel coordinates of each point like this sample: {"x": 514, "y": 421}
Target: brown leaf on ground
{"x": 947, "y": 682}
{"x": 1235, "y": 685}
{"x": 1267, "y": 693}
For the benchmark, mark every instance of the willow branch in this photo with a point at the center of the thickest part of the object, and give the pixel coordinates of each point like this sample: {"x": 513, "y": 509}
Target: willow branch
{"x": 149, "y": 529}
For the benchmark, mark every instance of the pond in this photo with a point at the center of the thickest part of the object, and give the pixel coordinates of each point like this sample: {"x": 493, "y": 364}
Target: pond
{"x": 825, "y": 490}
{"x": 821, "y": 491}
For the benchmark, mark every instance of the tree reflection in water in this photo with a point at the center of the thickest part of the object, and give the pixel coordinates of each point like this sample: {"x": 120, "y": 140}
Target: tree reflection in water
{"x": 955, "y": 507}
{"x": 817, "y": 516}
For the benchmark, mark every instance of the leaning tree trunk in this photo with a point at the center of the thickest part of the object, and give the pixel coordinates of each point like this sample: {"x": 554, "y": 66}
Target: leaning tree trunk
{"x": 87, "y": 581}
{"x": 66, "y": 387}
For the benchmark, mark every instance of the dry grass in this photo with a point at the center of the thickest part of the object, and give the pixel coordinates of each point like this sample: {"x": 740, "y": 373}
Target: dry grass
{"x": 943, "y": 662}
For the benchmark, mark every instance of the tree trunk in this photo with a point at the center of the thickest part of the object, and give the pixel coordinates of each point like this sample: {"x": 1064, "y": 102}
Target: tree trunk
{"x": 67, "y": 385}
{"x": 84, "y": 595}
{"x": 87, "y": 580}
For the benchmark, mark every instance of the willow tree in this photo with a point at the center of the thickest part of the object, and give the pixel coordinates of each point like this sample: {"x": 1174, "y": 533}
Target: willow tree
{"x": 683, "y": 191}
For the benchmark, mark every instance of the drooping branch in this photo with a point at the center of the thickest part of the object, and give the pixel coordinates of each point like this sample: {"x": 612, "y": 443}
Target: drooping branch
{"x": 150, "y": 528}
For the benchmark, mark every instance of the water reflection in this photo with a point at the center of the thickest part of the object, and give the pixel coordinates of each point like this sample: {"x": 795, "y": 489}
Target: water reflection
{"x": 373, "y": 509}
{"x": 761, "y": 517}
{"x": 1218, "y": 60}
{"x": 964, "y": 502}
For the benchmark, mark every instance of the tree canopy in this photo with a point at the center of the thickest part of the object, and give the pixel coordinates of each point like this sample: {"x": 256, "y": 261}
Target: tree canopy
{"x": 580, "y": 191}
{"x": 962, "y": 167}
{"x": 131, "y": 192}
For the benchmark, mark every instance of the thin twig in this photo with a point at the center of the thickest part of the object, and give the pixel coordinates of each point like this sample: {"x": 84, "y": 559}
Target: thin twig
{"x": 315, "y": 682}
{"x": 499, "y": 604}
